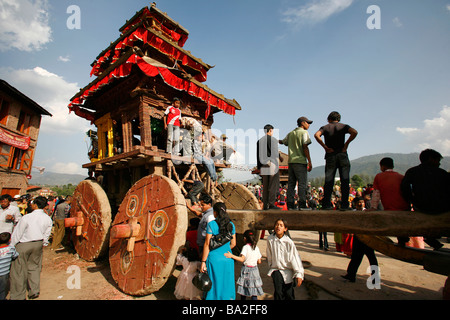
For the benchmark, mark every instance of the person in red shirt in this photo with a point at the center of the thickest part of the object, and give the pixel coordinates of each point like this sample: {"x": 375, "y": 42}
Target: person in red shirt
{"x": 172, "y": 121}
{"x": 386, "y": 189}
{"x": 191, "y": 234}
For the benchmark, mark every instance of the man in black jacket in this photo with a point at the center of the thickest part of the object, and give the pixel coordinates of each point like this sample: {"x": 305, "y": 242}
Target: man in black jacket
{"x": 267, "y": 162}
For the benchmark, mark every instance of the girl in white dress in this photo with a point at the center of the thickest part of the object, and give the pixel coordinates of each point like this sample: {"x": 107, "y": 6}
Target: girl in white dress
{"x": 184, "y": 288}
{"x": 249, "y": 282}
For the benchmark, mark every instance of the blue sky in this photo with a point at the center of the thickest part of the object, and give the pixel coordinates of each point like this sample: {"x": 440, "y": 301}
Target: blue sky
{"x": 280, "y": 59}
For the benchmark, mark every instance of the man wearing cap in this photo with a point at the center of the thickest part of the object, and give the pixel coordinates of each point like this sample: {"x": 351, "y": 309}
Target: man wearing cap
{"x": 336, "y": 157}
{"x": 172, "y": 118}
{"x": 267, "y": 156}
{"x": 227, "y": 150}
{"x": 299, "y": 162}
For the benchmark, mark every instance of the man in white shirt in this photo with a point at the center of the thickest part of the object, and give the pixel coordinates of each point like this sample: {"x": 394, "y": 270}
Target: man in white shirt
{"x": 192, "y": 136}
{"x": 29, "y": 237}
{"x": 9, "y": 214}
{"x": 285, "y": 264}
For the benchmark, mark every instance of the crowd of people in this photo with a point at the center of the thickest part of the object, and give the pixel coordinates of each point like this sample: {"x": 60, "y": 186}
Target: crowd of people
{"x": 26, "y": 226}
{"x": 390, "y": 191}
{"x": 185, "y": 136}
{"x": 210, "y": 240}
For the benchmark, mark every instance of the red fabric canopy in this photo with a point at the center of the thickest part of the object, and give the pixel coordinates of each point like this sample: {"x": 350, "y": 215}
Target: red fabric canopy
{"x": 169, "y": 78}
{"x": 154, "y": 41}
{"x": 180, "y": 38}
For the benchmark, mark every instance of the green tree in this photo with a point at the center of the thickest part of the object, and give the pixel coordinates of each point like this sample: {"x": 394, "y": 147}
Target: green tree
{"x": 357, "y": 181}
{"x": 64, "y": 190}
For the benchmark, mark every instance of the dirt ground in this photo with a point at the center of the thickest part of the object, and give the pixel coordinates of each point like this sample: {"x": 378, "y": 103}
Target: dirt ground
{"x": 323, "y": 270}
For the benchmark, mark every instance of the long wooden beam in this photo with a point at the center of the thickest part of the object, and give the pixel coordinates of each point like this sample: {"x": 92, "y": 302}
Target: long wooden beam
{"x": 382, "y": 223}
{"x": 433, "y": 261}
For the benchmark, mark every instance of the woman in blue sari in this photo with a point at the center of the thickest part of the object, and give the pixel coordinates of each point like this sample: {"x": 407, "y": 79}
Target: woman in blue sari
{"x": 220, "y": 268}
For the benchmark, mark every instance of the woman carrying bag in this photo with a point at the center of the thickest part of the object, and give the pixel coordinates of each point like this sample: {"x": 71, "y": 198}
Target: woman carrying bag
{"x": 220, "y": 238}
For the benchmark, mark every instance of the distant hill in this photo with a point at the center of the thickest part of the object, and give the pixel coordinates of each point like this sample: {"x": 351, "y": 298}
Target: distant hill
{"x": 367, "y": 165}
{"x": 370, "y": 165}
{"x": 55, "y": 179}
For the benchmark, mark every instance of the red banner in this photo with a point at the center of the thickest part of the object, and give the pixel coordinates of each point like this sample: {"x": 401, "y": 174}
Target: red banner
{"x": 14, "y": 140}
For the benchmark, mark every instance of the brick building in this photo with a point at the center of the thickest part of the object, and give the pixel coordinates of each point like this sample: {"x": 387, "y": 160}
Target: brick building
{"x": 20, "y": 119}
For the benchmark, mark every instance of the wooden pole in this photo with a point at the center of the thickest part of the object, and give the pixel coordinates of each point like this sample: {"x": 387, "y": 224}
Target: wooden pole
{"x": 385, "y": 223}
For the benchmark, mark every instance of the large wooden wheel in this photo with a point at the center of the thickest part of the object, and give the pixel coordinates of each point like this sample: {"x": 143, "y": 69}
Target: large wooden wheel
{"x": 146, "y": 235}
{"x": 237, "y": 196}
{"x": 90, "y": 217}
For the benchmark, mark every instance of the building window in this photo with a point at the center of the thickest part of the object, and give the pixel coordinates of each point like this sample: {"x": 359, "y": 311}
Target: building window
{"x": 24, "y": 122}
{"x": 14, "y": 158}
{"x": 4, "y": 111}
{"x": 5, "y": 155}
{"x": 17, "y": 159}
{"x": 26, "y": 159}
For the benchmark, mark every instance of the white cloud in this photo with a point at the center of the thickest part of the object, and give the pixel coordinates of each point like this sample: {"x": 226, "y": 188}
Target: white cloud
{"x": 407, "y": 130}
{"x": 435, "y": 133}
{"x": 448, "y": 7}
{"x": 67, "y": 167}
{"x": 51, "y": 92}
{"x": 24, "y": 24}
{"x": 397, "y": 22}
{"x": 64, "y": 59}
{"x": 315, "y": 11}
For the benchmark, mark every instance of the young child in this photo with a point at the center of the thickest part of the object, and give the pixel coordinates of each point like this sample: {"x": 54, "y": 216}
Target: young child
{"x": 191, "y": 234}
{"x": 285, "y": 265}
{"x": 249, "y": 282}
{"x": 7, "y": 254}
{"x": 184, "y": 288}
